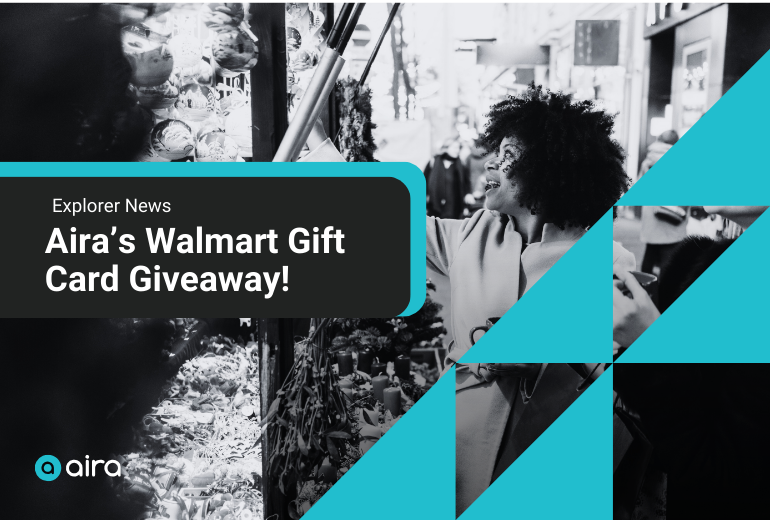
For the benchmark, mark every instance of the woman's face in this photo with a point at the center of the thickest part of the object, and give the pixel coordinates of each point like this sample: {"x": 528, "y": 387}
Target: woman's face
{"x": 502, "y": 192}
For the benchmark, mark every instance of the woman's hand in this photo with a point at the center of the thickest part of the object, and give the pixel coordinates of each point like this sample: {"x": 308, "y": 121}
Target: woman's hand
{"x": 630, "y": 317}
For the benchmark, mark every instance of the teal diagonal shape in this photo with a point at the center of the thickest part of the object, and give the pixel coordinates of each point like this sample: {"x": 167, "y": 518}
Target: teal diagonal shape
{"x": 566, "y": 316}
{"x": 409, "y": 473}
{"x": 724, "y": 315}
{"x": 722, "y": 160}
{"x": 565, "y": 473}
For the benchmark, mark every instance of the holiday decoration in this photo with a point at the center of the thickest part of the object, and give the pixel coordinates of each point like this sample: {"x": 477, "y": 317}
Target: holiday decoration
{"x": 295, "y": 11}
{"x": 196, "y": 102}
{"x": 198, "y": 453}
{"x": 293, "y": 39}
{"x": 172, "y": 139}
{"x": 216, "y": 147}
{"x": 157, "y": 97}
{"x": 201, "y": 73}
{"x": 234, "y": 51}
{"x": 326, "y": 415}
{"x": 210, "y": 125}
{"x": 356, "y": 143}
{"x": 304, "y": 37}
{"x": 220, "y": 16}
{"x": 308, "y": 421}
{"x": 148, "y": 54}
{"x": 186, "y": 50}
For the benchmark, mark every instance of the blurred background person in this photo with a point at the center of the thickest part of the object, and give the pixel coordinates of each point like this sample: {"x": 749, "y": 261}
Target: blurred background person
{"x": 663, "y": 229}
{"x": 447, "y": 182}
{"x": 657, "y": 149}
{"x": 478, "y": 178}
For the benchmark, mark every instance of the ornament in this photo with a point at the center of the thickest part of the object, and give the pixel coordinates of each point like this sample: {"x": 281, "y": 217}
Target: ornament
{"x": 206, "y": 127}
{"x": 148, "y": 54}
{"x": 295, "y": 11}
{"x": 186, "y": 50}
{"x": 218, "y": 16}
{"x": 201, "y": 73}
{"x": 196, "y": 102}
{"x": 234, "y": 50}
{"x": 235, "y": 100}
{"x": 291, "y": 79}
{"x": 172, "y": 139}
{"x": 293, "y": 39}
{"x": 157, "y": 97}
{"x": 148, "y": 154}
{"x": 216, "y": 147}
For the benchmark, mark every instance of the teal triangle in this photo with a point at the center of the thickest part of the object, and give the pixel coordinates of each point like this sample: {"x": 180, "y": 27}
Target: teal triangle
{"x": 566, "y": 473}
{"x": 411, "y": 469}
{"x": 565, "y": 316}
{"x": 723, "y": 316}
{"x": 722, "y": 160}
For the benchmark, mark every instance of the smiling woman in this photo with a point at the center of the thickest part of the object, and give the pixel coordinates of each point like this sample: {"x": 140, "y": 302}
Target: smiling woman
{"x": 557, "y": 170}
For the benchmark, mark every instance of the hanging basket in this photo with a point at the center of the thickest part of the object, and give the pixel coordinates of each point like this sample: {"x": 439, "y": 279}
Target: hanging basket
{"x": 307, "y": 422}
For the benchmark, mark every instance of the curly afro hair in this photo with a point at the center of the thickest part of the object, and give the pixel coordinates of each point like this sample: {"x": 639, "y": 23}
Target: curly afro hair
{"x": 570, "y": 169}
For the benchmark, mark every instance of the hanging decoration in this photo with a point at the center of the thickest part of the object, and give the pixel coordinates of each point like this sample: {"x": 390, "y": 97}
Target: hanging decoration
{"x": 148, "y": 54}
{"x": 172, "y": 139}
{"x": 234, "y": 52}
{"x": 196, "y": 102}
{"x": 216, "y": 147}
{"x": 354, "y": 103}
{"x": 186, "y": 61}
{"x": 197, "y": 454}
{"x": 157, "y": 97}
{"x": 304, "y": 37}
{"x": 351, "y": 381}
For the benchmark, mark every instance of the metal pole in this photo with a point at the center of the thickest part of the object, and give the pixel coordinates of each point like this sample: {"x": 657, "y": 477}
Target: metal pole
{"x": 293, "y": 140}
{"x": 292, "y": 143}
{"x": 385, "y": 29}
{"x": 373, "y": 56}
{"x": 339, "y": 25}
{"x": 331, "y": 81}
{"x": 347, "y": 33}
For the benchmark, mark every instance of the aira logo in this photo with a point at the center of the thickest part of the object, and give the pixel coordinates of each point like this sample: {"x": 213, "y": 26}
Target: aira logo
{"x": 48, "y": 468}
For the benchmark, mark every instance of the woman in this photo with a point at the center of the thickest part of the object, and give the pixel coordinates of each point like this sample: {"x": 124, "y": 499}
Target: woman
{"x": 557, "y": 171}
{"x": 447, "y": 182}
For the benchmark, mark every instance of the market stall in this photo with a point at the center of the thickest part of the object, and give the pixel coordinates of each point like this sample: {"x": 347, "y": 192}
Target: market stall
{"x": 219, "y": 82}
{"x": 197, "y": 453}
{"x": 350, "y": 382}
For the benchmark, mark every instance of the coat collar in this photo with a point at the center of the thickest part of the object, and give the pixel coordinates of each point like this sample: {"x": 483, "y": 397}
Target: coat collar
{"x": 553, "y": 233}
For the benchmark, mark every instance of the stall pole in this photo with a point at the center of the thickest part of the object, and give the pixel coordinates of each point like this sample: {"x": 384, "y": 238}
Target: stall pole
{"x": 385, "y": 30}
{"x": 269, "y": 98}
{"x": 331, "y": 80}
{"x": 319, "y": 87}
{"x": 271, "y": 379}
{"x": 329, "y": 117}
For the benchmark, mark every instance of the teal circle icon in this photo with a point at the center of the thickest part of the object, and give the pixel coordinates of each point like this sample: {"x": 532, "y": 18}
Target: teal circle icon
{"x": 47, "y": 468}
